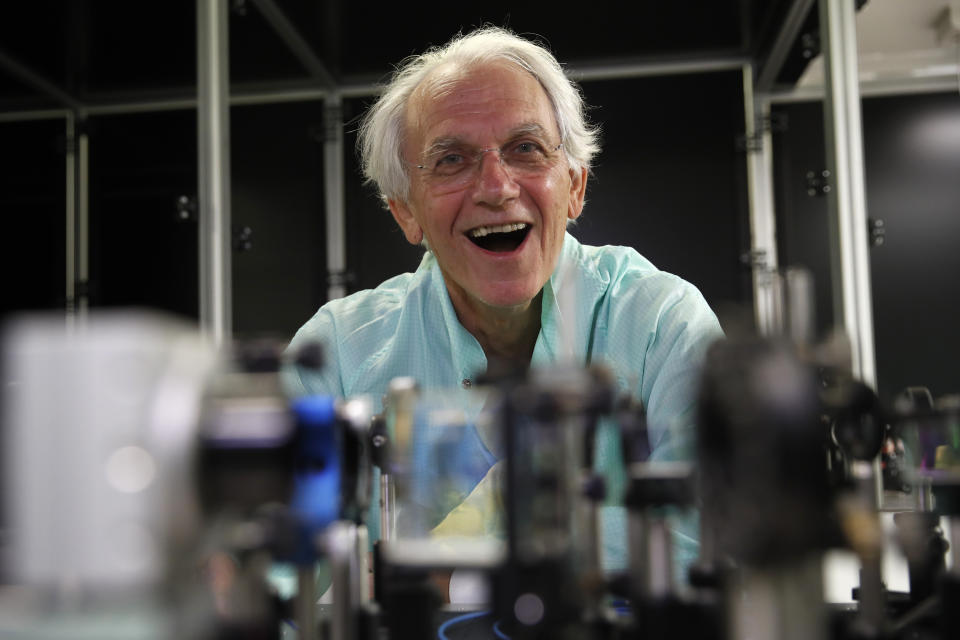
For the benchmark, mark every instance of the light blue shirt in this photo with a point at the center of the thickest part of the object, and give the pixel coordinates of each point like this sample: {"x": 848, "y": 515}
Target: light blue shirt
{"x": 605, "y": 305}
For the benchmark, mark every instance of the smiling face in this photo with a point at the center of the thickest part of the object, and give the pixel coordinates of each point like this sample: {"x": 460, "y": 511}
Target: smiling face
{"x": 497, "y": 229}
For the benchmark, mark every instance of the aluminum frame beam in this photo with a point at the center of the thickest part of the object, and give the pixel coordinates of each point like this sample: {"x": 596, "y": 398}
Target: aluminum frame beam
{"x": 874, "y": 88}
{"x": 360, "y": 88}
{"x": 850, "y": 264}
{"x": 39, "y": 82}
{"x": 297, "y": 44}
{"x": 82, "y": 144}
{"x": 70, "y": 284}
{"x": 77, "y": 218}
{"x": 763, "y": 224}
{"x": 789, "y": 30}
{"x": 646, "y": 68}
{"x": 35, "y": 114}
{"x": 335, "y": 207}
{"x": 887, "y": 87}
{"x": 213, "y": 143}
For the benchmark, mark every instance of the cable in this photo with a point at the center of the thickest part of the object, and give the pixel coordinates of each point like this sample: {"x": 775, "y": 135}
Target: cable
{"x": 497, "y": 632}
{"x": 442, "y": 631}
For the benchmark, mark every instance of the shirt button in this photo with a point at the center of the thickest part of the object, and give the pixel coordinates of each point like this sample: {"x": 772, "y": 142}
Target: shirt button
{"x": 466, "y": 383}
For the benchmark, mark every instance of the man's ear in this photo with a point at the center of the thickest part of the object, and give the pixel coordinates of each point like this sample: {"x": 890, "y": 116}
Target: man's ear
{"x": 578, "y": 191}
{"x": 408, "y": 223}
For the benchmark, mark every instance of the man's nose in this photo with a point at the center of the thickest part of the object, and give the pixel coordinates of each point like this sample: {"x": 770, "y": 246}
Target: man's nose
{"x": 495, "y": 185}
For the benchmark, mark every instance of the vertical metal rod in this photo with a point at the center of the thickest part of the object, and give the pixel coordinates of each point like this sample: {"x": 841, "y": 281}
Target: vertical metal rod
{"x": 345, "y": 577}
{"x": 77, "y": 217}
{"x": 871, "y": 608}
{"x": 213, "y": 144}
{"x": 306, "y": 603}
{"x": 782, "y": 603}
{"x": 764, "y": 177}
{"x": 362, "y": 555}
{"x": 592, "y": 547}
{"x": 593, "y": 544}
{"x": 637, "y": 549}
{"x": 800, "y": 320}
{"x": 387, "y": 497}
{"x": 763, "y": 226}
{"x": 853, "y": 305}
{"x": 769, "y": 298}
{"x": 850, "y": 264}
{"x": 83, "y": 215}
{"x": 954, "y": 527}
{"x": 333, "y": 171}
{"x": 71, "y": 218}
{"x": 659, "y": 576}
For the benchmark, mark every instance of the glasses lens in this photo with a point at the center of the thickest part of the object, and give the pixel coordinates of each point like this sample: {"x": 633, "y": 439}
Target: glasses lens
{"x": 455, "y": 168}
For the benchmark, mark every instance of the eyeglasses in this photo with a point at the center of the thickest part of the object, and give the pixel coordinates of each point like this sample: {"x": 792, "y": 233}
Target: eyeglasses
{"x": 455, "y": 166}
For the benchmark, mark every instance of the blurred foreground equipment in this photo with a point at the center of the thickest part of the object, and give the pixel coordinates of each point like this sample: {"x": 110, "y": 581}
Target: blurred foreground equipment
{"x": 151, "y": 482}
{"x": 152, "y": 485}
{"x": 99, "y": 431}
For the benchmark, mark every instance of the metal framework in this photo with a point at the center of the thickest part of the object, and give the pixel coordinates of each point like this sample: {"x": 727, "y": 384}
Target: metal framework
{"x": 757, "y": 83}
{"x": 211, "y": 104}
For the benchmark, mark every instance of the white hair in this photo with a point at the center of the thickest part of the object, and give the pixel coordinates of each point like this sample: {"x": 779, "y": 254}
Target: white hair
{"x": 382, "y": 131}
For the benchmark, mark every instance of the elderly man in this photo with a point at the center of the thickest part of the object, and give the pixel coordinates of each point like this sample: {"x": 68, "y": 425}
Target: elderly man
{"x": 481, "y": 151}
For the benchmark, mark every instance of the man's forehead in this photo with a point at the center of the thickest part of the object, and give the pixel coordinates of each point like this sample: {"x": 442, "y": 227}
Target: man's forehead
{"x": 458, "y": 83}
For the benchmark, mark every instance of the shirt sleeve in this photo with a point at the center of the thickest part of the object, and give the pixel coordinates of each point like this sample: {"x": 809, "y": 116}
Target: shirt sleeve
{"x": 300, "y": 381}
{"x": 685, "y": 328}
{"x": 658, "y": 334}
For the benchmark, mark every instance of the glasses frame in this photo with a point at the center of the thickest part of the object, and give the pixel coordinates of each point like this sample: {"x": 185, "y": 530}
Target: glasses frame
{"x": 475, "y": 157}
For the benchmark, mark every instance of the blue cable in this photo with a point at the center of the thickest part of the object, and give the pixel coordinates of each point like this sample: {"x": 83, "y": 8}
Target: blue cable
{"x": 498, "y": 633}
{"x": 442, "y": 631}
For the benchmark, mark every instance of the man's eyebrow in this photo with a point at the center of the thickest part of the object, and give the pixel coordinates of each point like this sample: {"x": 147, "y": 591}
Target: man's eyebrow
{"x": 528, "y": 129}
{"x": 444, "y": 144}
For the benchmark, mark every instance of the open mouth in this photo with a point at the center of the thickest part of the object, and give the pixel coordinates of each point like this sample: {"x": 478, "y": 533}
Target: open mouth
{"x": 501, "y": 237}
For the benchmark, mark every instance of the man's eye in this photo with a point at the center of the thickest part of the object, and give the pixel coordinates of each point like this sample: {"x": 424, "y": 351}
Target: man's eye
{"x": 527, "y": 147}
{"x": 526, "y": 152}
{"x": 449, "y": 160}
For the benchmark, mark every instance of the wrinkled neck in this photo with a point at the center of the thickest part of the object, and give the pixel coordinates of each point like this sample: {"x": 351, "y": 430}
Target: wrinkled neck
{"x": 507, "y": 335}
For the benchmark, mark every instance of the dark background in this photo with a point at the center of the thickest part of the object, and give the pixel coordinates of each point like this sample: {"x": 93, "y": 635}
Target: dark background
{"x": 670, "y": 180}
{"x": 912, "y": 166}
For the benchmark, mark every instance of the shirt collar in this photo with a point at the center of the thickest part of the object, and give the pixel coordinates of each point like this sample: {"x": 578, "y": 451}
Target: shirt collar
{"x": 554, "y": 339}
{"x": 465, "y": 351}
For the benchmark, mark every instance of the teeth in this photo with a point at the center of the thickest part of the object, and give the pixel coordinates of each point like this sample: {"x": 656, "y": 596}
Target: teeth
{"x": 479, "y": 232}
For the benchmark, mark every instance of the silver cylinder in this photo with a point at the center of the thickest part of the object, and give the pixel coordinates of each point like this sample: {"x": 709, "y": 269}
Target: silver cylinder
{"x": 345, "y": 567}
{"x": 779, "y": 603}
